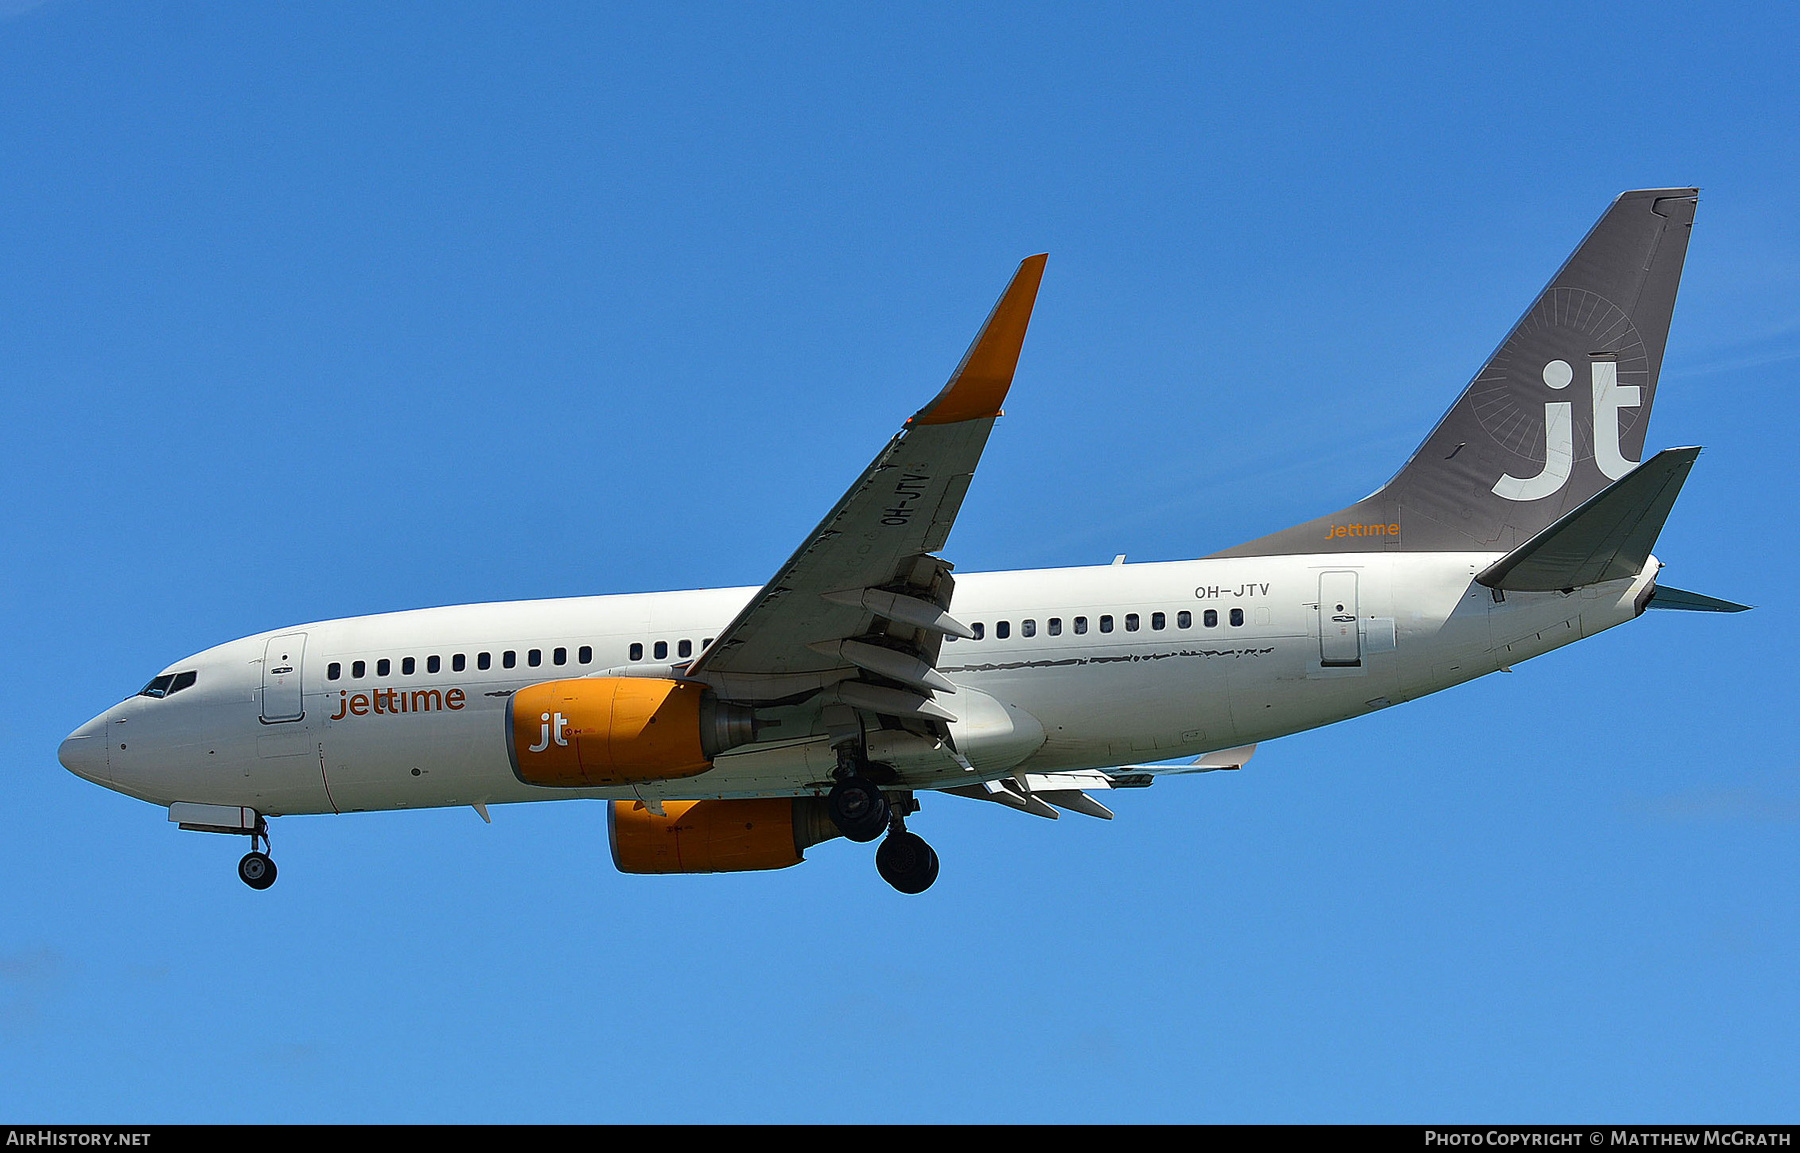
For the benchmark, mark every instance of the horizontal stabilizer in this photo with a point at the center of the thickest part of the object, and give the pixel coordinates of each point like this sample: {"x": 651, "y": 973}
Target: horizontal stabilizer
{"x": 1665, "y": 597}
{"x": 1608, "y": 537}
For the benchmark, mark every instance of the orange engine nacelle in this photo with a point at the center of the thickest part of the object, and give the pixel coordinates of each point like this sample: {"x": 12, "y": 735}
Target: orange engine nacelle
{"x": 716, "y": 836}
{"x": 598, "y": 731}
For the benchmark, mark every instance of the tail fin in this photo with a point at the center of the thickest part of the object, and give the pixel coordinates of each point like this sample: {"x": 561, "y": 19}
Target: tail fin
{"x": 1557, "y": 414}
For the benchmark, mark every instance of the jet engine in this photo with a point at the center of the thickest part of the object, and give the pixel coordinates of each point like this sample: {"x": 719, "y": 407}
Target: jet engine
{"x": 599, "y": 731}
{"x": 716, "y": 836}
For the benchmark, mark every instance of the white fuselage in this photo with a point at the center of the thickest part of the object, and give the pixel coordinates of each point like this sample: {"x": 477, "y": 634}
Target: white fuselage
{"x": 1134, "y": 670}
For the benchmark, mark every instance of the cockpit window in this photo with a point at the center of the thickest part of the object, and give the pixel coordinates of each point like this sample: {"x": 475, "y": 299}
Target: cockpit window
{"x": 168, "y": 683}
{"x": 158, "y": 687}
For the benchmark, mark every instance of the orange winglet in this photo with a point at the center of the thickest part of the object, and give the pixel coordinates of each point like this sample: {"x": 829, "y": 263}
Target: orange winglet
{"x": 978, "y": 386}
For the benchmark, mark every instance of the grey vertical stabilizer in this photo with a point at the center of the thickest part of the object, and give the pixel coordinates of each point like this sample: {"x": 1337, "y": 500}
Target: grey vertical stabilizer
{"x": 1556, "y": 415}
{"x": 1607, "y": 538}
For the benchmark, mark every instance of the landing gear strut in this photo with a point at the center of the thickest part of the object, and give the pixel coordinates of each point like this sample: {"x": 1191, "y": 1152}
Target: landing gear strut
{"x": 256, "y": 869}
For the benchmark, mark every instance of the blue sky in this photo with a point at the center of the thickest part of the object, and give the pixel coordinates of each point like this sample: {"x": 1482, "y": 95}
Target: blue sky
{"x": 318, "y": 310}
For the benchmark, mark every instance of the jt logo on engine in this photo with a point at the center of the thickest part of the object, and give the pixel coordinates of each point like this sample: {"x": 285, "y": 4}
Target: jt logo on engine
{"x": 1559, "y": 432}
{"x": 545, "y": 733}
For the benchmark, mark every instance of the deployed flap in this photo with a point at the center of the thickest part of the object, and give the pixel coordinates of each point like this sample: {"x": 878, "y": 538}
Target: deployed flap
{"x": 1127, "y": 776}
{"x": 1664, "y": 597}
{"x": 868, "y": 560}
{"x": 1608, "y": 538}
{"x": 1034, "y": 793}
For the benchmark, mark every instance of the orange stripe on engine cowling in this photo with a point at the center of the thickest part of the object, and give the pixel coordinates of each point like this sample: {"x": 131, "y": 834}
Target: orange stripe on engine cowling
{"x": 978, "y": 387}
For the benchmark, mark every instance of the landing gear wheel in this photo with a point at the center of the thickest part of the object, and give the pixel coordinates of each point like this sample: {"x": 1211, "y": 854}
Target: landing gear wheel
{"x": 256, "y": 870}
{"x": 906, "y": 862}
{"x": 858, "y": 809}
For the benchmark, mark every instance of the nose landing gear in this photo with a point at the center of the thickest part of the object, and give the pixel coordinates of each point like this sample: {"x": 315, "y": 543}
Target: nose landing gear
{"x": 256, "y": 869}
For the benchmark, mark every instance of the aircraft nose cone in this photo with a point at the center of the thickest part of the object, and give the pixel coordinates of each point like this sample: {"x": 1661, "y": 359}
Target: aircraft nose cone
{"x": 83, "y": 752}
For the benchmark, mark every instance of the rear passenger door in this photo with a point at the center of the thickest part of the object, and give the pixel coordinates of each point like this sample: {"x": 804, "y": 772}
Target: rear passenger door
{"x": 1340, "y": 641}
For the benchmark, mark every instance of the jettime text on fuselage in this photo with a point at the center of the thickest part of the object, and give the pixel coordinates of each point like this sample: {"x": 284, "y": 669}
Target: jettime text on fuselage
{"x": 393, "y": 702}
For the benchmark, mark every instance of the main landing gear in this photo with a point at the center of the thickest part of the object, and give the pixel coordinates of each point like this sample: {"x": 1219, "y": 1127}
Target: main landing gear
{"x": 906, "y": 862}
{"x": 256, "y": 869}
{"x": 862, "y": 812}
{"x": 858, "y": 808}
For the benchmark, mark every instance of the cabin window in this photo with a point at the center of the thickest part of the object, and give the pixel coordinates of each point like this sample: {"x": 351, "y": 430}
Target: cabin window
{"x": 559, "y": 657}
{"x": 433, "y": 663}
{"x": 979, "y": 629}
{"x": 407, "y": 665}
{"x": 358, "y": 669}
{"x": 1080, "y": 625}
{"x": 333, "y": 671}
{"x": 458, "y": 663}
{"x": 1212, "y": 618}
{"x": 1002, "y": 630}
{"x": 1131, "y": 622}
{"x": 1055, "y": 626}
{"x": 1158, "y": 621}
{"x": 637, "y": 651}
{"x": 1237, "y": 617}
{"x": 1106, "y": 623}
{"x": 661, "y": 650}
{"x": 1184, "y": 619}
{"x": 534, "y": 658}
{"x": 509, "y": 659}
{"x": 586, "y": 655}
{"x": 484, "y": 661}
{"x": 684, "y": 649}
{"x": 706, "y": 642}
{"x": 383, "y": 667}
{"x": 1028, "y": 628}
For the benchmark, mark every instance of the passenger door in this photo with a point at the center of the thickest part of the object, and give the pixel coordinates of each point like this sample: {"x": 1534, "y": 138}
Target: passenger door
{"x": 283, "y": 662}
{"x": 1340, "y": 642}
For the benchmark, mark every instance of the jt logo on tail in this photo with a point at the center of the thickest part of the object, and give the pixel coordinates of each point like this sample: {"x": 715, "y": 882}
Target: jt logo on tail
{"x": 1559, "y": 432}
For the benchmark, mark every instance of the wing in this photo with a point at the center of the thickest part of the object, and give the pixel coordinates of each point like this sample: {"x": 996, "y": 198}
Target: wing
{"x": 856, "y": 616}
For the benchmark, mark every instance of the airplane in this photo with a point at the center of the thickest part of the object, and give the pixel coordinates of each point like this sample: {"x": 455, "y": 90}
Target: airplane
{"x": 733, "y": 729}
